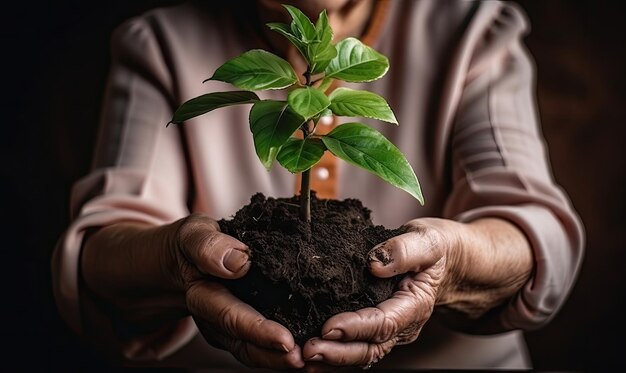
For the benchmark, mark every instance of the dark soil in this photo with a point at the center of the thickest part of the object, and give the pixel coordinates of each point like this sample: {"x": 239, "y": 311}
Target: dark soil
{"x": 303, "y": 274}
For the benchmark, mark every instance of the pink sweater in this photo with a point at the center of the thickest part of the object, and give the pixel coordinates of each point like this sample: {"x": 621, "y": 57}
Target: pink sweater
{"x": 462, "y": 87}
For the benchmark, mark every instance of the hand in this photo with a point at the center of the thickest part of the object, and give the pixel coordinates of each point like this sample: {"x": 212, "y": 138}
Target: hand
{"x": 469, "y": 268}
{"x": 225, "y": 321}
{"x": 154, "y": 276}
{"x": 364, "y": 337}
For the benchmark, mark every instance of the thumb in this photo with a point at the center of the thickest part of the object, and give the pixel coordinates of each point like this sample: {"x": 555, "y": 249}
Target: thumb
{"x": 212, "y": 252}
{"x": 408, "y": 252}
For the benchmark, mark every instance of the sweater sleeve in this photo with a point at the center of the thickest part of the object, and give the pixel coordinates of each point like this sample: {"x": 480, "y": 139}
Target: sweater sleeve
{"x": 501, "y": 168}
{"x": 139, "y": 171}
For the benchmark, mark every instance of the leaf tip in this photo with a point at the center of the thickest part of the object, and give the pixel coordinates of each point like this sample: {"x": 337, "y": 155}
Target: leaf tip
{"x": 418, "y": 196}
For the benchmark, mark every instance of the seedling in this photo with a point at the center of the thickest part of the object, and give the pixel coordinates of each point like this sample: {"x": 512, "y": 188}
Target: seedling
{"x": 274, "y": 123}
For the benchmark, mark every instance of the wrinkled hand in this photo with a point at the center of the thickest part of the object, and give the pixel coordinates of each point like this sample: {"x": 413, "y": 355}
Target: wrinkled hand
{"x": 150, "y": 278}
{"x": 363, "y": 337}
{"x": 224, "y": 320}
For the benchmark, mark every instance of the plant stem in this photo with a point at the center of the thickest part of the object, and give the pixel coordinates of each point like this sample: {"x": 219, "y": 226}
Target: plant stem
{"x": 305, "y": 186}
{"x": 305, "y": 183}
{"x": 305, "y": 196}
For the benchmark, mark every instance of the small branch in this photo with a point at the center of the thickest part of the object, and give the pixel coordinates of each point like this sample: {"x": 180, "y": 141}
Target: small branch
{"x": 305, "y": 196}
{"x": 313, "y": 130}
{"x": 305, "y": 184}
{"x": 317, "y": 81}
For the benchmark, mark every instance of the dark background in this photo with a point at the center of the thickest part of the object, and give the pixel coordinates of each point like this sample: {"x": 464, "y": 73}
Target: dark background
{"x": 55, "y": 58}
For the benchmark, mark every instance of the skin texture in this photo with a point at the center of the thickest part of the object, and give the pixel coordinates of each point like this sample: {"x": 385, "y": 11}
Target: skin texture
{"x": 468, "y": 268}
{"x": 156, "y": 275}
{"x": 153, "y": 276}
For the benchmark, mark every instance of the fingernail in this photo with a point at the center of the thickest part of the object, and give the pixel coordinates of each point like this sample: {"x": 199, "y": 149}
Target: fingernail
{"x": 333, "y": 334}
{"x": 316, "y": 357}
{"x": 235, "y": 260}
{"x": 281, "y": 347}
{"x": 379, "y": 255}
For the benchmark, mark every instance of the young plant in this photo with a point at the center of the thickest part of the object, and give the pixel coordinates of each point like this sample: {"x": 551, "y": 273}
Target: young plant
{"x": 273, "y": 123}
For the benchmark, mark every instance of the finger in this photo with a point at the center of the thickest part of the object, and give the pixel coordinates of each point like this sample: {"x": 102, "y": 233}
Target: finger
{"x": 255, "y": 356}
{"x": 215, "y": 305}
{"x": 408, "y": 252}
{"x": 212, "y": 252}
{"x": 250, "y": 354}
{"x": 400, "y": 316}
{"x": 345, "y": 353}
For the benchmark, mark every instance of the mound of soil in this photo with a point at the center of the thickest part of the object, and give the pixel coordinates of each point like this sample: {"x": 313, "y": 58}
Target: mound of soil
{"x": 302, "y": 274}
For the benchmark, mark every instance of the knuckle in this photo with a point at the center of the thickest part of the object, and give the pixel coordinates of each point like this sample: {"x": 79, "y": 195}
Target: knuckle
{"x": 256, "y": 331}
{"x": 227, "y": 318}
{"x": 386, "y": 330}
{"x": 208, "y": 245}
{"x": 186, "y": 274}
{"x": 193, "y": 227}
{"x": 436, "y": 243}
{"x": 371, "y": 314}
{"x": 191, "y": 300}
{"x": 196, "y": 299}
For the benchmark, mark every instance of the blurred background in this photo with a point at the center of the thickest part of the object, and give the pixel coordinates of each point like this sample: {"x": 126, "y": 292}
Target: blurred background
{"x": 55, "y": 59}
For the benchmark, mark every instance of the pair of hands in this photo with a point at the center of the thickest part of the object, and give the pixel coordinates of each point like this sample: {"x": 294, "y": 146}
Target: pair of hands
{"x": 349, "y": 339}
{"x": 153, "y": 276}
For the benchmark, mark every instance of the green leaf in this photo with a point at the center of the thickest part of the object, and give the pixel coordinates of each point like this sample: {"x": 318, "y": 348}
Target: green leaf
{"x": 367, "y": 148}
{"x": 299, "y": 155}
{"x": 256, "y": 70}
{"x": 272, "y": 123}
{"x": 320, "y": 56}
{"x": 301, "y": 26}
{"x": 321, "y": 53}
{"x": 307, "y": 101}
{"x": 353, "y": 103}
{"x": 285, "y": 31}
{"x": 211, "y": 101}
{"x": 316, "y": 48}
{"x": 356, "y": 62}
{"x": 323, "y": 29}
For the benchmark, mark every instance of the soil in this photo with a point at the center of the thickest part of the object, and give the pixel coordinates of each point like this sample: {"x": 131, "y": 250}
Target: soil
{"x": 302, "y": 274}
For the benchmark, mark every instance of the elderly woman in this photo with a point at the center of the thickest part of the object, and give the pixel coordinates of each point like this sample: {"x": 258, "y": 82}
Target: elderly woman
{"x": 494, "y": 251}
